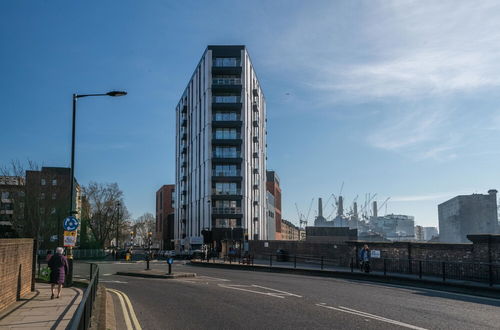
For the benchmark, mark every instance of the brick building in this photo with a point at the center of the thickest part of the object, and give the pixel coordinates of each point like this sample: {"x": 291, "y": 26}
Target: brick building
{"x": 289, "y": 231}
{"x": 48, "y": 203}
{"x": 12, "y": 196}
{"x": 165, "y": 204}
{"x": 273, "y": 186}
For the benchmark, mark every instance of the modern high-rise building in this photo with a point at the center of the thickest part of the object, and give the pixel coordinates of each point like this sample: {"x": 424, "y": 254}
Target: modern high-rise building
{"x": 221, "y": 153}
{"x": 466, "y": 215}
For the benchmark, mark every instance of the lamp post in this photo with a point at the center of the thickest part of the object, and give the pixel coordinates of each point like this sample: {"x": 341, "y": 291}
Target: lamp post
{"x": 117, "y": 228}
{"x": 72, "y": 169}
{"x": 148, "y": 257}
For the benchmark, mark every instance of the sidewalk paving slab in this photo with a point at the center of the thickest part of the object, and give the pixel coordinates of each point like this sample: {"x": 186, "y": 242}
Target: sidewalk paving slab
{"x": 38, "y": 311}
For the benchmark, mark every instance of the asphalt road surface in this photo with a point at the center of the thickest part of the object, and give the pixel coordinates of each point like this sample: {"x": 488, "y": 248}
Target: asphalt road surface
{"x": 229, "y": 299}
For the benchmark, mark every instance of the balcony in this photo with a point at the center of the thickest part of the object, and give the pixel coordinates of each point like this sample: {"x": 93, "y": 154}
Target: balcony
{"x": 255, "y": 139}
{"x": 255, "y": 123}
{"x": 255, "y": 171}
{"x": 184, "y": 164}
{"x": 226, "y": 66}
{"x": 255, "y": 203}
{"x": 184, "y": 136}
{"x": 226, "y": 210}
{"x": 231, "y": 141}
{"x": 255, "y": 186}
{"x": 184, "y": 150}
{"x": 184, "y": 177}
{"x": 226, "y": 174}
{"x": 226, "y": 194}
{"x": 184, "y": 108}
{"x": 255, "y": 92}
{"x": 255, "y": 155}
{"x": 184, "y": 122}
{"x": 226, "y": 102}
{"x": 184, "y": 192}
{"x": 226, "y": 123}
{"x": 226, "y": 85}
{"x": 255, "y": 106}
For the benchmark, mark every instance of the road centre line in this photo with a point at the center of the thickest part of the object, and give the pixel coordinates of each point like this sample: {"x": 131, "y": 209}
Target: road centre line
{"x": 131, "y": 311}
{"x": 371, "y": 316}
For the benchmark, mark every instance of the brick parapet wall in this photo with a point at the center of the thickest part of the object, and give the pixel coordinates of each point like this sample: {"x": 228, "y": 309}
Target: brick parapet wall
{"x": 16, "y": 257}
{"x": 478, "y": 251}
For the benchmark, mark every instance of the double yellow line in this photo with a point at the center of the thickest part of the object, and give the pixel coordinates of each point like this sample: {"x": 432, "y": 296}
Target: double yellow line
{"x": 131, "y": 320}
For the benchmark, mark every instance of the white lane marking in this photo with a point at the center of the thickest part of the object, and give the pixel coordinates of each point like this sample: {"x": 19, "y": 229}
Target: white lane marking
{"x": 215, "y": 278}
{"x": 124, "y": 309}
{"x": 131, "y": 311}
{"x": 107, "y": 274}
{"x": 413, "y": 288}
{"x": 253, "y": 291}
{"x": 283, "y": 292}
{"x": 106, "y": 281}
{"x": 371, "y": 316}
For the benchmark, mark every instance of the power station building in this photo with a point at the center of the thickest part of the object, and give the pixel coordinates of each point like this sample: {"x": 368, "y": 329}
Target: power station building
{"x": 221, "y": 153}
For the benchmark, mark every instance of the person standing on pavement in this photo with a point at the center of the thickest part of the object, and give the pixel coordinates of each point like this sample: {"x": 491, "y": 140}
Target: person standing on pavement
{"x": 58, "y": 265}
{"x": 365, "y": 255}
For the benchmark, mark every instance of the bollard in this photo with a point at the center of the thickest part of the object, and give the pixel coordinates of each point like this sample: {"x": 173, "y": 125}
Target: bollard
{"x": 169, "y": 269}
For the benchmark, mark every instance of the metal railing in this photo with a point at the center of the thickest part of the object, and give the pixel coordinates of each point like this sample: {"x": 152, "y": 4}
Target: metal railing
{"x": 226, "y": 81}
{"x": 414, "y": 268}
{"x": 226, "y": 192}
{"x": 226, "y": 173}
{"x": 81, "y": 318}
{"x": 226, "y": 210}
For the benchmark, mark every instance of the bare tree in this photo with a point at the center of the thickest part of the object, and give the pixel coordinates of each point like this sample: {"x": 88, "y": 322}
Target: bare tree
{"x": 105, "y": 211}
{"x": 144, "y": 225}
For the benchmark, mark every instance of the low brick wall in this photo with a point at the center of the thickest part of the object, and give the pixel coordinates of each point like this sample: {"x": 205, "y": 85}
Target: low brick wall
{"x": 16, "y": 257}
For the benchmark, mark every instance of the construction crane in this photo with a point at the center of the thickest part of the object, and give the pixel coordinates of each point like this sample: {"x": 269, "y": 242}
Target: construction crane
{"x": 367, "y": 202}
{"x": 384, "y": 203}
{"x": 309, "y": 211}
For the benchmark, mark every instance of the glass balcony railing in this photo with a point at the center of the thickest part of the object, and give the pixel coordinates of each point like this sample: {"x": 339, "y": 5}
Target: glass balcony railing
{"x": 226, "y": 192}
{"x": 226, "y": 155}
{"x": 226, "y": 81}
{"x": 226, "y": 210}
{"x": 226, "y": 173}
{"x": 226, "y": 117}
{"x": 226, "y": 99}
{"x": 226, "y": 62}
{"x": 226, "y": 136}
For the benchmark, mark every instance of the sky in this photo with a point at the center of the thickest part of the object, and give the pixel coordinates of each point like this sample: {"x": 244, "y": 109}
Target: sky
{"x": 397, "y": 98}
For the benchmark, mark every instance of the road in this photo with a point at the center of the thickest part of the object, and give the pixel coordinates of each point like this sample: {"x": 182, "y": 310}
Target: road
{"x": 227, "y": 299}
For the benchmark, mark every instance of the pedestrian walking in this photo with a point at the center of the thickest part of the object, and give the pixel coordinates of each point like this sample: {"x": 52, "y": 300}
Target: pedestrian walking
{"x": 58, "y": 265}
{"x": 364, "y": 256}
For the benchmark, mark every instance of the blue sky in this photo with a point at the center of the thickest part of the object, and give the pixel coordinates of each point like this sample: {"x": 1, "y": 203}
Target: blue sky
{"x": 398, "y": 98}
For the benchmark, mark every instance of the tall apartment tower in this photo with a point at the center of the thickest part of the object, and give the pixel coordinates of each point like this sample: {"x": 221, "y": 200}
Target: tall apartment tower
{"x": 221, "y": 153}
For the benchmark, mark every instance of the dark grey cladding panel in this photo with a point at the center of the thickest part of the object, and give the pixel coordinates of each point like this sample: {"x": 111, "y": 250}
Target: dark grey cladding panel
{"x": 226, "y": 51}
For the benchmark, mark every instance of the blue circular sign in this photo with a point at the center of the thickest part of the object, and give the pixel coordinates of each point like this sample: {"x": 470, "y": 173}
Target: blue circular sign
{"x": 170, "y": 261}
{"x": 71, "y": 223}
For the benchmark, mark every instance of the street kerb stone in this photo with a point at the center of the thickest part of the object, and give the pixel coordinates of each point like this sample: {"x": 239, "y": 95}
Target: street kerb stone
{"x": 155, "y": 274}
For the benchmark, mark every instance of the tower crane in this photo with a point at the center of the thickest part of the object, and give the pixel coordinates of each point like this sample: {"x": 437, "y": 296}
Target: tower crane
{"x": 384, "y": 203}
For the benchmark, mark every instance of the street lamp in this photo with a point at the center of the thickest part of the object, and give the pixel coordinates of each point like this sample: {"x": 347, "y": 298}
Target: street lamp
{"x": 72, "y": 169}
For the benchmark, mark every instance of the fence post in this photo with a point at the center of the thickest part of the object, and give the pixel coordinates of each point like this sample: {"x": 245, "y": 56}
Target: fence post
{"x": 490, "y": 271}
{"x": 420, "y": 269}
{"x": 443, "y": 265}
{"x": 321, "y": 262}
{"x": 352, "y": 265}
{"x": 270, "y": 261}
{"x": 410, "y": 266}
{"x": 295, "y": 261}
{"x": 90, "y": 276}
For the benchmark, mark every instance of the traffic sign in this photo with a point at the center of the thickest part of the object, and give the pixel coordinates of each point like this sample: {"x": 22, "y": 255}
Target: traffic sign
{"x": 170, "y": 261}
{"x": 69, "y": 238}
{"x": 71, "y": 223}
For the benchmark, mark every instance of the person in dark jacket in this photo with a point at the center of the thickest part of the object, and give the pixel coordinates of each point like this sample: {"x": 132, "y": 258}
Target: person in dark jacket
{"x": 58, "y": 265}
{"x": 365, "y": 255}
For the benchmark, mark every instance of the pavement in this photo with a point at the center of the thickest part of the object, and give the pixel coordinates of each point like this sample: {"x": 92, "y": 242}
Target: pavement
{"x": 226, "y": 299}
{"x": 38, "y": 311}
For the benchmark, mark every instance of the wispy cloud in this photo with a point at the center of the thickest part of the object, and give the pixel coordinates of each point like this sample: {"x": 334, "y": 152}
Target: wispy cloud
{"x": 429, "y": 197}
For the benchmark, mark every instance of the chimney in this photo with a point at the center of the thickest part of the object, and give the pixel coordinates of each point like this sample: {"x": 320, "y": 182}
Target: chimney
{"x": 340, "y": 209}
{"x": 375, "y": 209}
{"x": 492, "y": 192}
{"x": 320, "y": 207}
{"x": 355, "y": 210}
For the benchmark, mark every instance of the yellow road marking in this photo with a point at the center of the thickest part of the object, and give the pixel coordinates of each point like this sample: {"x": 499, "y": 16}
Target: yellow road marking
{"x": 131, "y": 311}
{"x": 124, "y": 308}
